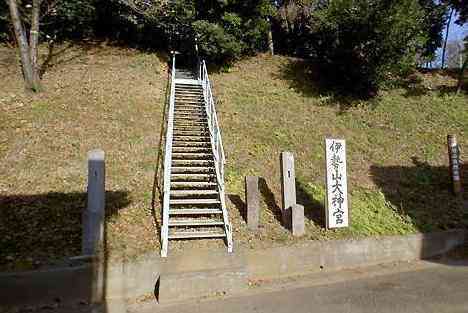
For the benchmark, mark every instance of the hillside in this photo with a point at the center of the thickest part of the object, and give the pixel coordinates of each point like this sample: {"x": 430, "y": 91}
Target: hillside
{"x": 397, "y": 162}
{"x": 112, "y": 98}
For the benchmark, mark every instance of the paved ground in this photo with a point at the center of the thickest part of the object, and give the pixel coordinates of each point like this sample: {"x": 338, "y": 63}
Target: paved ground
{"x": 416, "y": 287}
{"x": 433, "y": 288}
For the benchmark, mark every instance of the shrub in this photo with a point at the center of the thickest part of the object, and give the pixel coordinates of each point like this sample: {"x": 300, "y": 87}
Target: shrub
{"x": 70, "y": 19}
{"x": 4, "y": 21}
{"x": 358, "y": 43}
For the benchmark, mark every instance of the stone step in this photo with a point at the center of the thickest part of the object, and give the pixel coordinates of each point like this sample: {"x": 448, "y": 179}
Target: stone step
{"x": 192, "y": 169}
{"x": 179, "y": 102}
{"x": 190, "y": 118}
{"x": 190, "y": 105}
{"x": 192, "y": 184}
{"x": 192, "y": 162}
{"x": 180, "y": 94}
{"x": 195, "y": 211}
{"x": 191, "y": 149}
{"x": 184, "y": 127}
{"x": 197, "y": 113}
{"x": 181, "y": 127}
{"x": 190, "y": 144}
{"x": 192, "y": 177}
{"x": 196, "y": 128}
{"x": 185, "y": 124}
{"x": 188, "y": 85}
{"x": 189, "y": 109}
{"x": 195, "y": 92}
{"x": 181, "y": 120}
{"x": 184, "y": 96}
{"x": 196, "y": 234}
{"x": 185, "y": 114}
{"x": 193, "y": 201}
{"x": 193, "y": 192}
{"x": 194, "y": 222}
{"x": 181, "y": 155}
{"x": 191, "y": 138}
{"x": 188, "y": 138}
{"x": 178, "y": 132}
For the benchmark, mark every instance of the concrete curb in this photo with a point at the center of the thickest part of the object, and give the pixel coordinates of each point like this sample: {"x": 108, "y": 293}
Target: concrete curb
{"x": 196, "y": 274}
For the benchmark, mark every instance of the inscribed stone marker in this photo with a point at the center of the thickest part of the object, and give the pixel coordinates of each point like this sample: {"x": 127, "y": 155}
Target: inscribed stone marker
{"x": 337, "y": 189}
{"x": 93, "y": 215}
{"x": 288, "y": 186}
{"x": 252, "y": 195}
{"x": 454, "y": 160}
{"x": 298, "y": 228}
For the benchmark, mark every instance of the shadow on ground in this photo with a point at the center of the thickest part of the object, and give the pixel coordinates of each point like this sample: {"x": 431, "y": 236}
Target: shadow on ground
{"x": 422, "y": 192}
{"x": 270, "y": 199}
{"x": 239, "y": 204}
{"x": 314, "y": 209}
{"x": 303, "y": 77}
{"x": 42, "y": 232}
{"x": 37, "y": 229}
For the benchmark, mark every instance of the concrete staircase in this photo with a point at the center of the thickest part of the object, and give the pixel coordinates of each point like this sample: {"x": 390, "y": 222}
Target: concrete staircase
{"x": 194, "y": 205}
{"x": 195, "y": 201}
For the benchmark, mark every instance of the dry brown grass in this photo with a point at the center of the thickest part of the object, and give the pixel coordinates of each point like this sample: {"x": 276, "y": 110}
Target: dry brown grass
{"x": 95, "y": 96}
{"x": 99, "y": 96}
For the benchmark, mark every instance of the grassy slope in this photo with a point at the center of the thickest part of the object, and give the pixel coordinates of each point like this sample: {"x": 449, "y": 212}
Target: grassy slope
{"x": 112, "y": 98}
{"x": 96, "y": 97}
{"x": 397, "y": 159}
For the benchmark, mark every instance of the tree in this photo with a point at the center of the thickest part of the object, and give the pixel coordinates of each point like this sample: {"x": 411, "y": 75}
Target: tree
{"x": 359, "y": 44}
{"x": 4, "y": 21}
{"x": 225, "y": 29}
{"x": 434, "y": 20}
{"x": 28, "y": 48}
{"x": 461, "y": 6}
{"x": 57, "y": 19}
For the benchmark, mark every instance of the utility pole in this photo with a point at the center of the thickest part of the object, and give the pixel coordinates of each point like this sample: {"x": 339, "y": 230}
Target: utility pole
{"x": 446, "y": 37}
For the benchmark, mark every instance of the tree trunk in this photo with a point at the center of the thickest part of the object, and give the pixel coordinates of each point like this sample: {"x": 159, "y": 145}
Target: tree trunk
{"x": 461, "y": 76}
{"x": 446, "y": 38}
{"x": 31, "y": 82}
{"x": 270, "y": 38}
{"x": 34, "y": 40}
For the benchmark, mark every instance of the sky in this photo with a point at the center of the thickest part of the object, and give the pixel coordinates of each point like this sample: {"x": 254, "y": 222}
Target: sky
{"x": 457, "y": 32}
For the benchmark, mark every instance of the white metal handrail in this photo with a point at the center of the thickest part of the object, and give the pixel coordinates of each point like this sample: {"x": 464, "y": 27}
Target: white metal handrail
{"x": 167, "y": 164}
{"x": 217, "y": 144}
{"x": 213, "y": 124}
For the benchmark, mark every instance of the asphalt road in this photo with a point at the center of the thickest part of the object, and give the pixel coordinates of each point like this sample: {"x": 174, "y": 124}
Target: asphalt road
{"x": 437, "y": 289}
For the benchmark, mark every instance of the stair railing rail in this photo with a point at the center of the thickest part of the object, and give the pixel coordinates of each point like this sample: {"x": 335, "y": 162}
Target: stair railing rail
{"x": 217, "y": 144}
{"x": 167, "y": 164}
{"x": 213, "y": 124}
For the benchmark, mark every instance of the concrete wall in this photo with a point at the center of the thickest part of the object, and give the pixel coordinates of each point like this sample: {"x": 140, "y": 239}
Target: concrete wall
{"x": 195, "y": 274}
